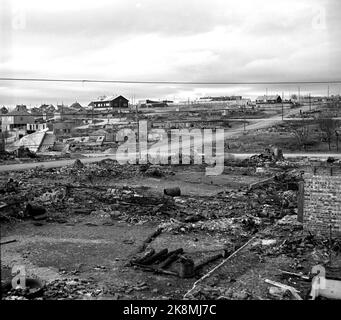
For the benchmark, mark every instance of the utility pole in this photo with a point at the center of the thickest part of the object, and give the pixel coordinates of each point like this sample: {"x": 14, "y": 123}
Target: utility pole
{"x": 282, "y": 106}
{"x": 309, "y": 102}
{"x": 299, "y": 94}
{"x": 138, "y": 132}
{"x": 244, "y": 116}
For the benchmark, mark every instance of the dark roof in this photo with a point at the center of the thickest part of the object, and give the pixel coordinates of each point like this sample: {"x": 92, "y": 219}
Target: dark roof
{"x": 108, "y": 99}
{"x": 3, "y": 110}
{"x": 19, "y": 113}
{"x": 76, "y": 105}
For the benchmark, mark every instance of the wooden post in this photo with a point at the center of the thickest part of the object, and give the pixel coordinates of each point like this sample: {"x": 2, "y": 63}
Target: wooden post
{"x": 300, "y": 201}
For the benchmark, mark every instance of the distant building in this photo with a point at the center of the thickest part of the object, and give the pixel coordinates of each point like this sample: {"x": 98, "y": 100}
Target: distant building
{"x": 76, "y": 105}
{"x": 153, "y": 103}
{"x": 45, "y": 111}
{"x": 67, "y": 113}
{"x": 113, "y": 102}
{"x": 63, "y": 128}
{"x": 222, "y": 98}
{"x": 33, "y": 127}
{"x": 3, "y": 110}
{"x": 17, "y": 119}
{"x": 269, "y": 99}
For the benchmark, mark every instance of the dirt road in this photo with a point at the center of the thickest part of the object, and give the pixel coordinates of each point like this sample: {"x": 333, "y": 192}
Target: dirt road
{"x": 61, "y": 163}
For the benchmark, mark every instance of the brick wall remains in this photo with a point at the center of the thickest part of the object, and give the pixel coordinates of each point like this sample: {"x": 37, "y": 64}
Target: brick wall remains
{"x": 322, "y": 201}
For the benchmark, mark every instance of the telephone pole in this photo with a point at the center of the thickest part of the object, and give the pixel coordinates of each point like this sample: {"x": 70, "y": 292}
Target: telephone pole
{"x": 282, "y": 106}
{"x": 138, "y": 132}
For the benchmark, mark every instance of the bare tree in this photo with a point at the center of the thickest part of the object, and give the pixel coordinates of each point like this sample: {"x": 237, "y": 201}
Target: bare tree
{"x": 337, "y": 140}
{"x": 301, "y": 133}
{"x": 328, "y": 126}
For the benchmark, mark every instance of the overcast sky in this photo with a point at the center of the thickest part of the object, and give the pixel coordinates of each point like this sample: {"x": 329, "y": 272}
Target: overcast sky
{"x": 176, "y": 40}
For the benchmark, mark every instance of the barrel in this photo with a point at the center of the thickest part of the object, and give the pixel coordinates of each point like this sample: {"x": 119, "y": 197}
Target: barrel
{"x": 173, "y": 192}
{"x": 186, "y": 268}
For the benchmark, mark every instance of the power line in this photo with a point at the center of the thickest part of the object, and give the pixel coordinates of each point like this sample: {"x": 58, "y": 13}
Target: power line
{"x": 173, "y": 82}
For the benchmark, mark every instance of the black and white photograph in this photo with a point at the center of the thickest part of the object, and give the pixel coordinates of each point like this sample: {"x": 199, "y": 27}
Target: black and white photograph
{"x": 171, "y": 156}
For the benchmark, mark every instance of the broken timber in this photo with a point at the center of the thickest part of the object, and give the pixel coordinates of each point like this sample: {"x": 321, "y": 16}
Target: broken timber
{"x": 149, "y": 239}
{"x": 154, "y": 269}
{"x": 159, "y": 256}
{"x": 9, "y": 241}
{"x": 172, "y": 256}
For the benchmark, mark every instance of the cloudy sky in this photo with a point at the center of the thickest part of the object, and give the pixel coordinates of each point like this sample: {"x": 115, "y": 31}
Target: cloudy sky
{"x": 170, "y": 40}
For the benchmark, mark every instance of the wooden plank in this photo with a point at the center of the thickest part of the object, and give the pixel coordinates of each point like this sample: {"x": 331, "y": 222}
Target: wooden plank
{"x": 293, "y": 291}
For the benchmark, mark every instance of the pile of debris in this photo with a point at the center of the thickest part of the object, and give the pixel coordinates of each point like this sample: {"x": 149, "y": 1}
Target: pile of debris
{"x": 131, "y": 204}
{"x": 24, "y": 152}
{"x": 71, "y": 289}
{"x": 274, "y": 198}
{"x": 241, "y": 226}
{"x": 66, "y": 191}
{"x": 61, "y": 289}
{"x": 299, "y": 244}
{"x": 268, "y": 156}
{"x": 156, "y": 171}
{"x": 218, "y": 293}
{"x": 5, "y": 156}
{"x": 106, "y": 168}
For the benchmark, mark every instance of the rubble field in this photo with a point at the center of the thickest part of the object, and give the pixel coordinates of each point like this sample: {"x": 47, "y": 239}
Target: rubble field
{"x": 107, "y": 231}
